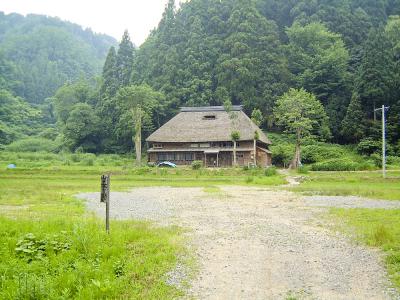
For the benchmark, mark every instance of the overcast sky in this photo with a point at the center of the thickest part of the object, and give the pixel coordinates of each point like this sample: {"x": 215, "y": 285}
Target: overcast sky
{"x": 103, "y": 16}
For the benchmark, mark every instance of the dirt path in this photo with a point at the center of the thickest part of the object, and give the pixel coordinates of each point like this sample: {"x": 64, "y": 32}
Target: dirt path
{"x": 254, "y": 243}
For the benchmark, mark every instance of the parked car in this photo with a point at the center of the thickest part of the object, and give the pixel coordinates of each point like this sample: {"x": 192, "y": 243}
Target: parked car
{"x": 167, "y": 164}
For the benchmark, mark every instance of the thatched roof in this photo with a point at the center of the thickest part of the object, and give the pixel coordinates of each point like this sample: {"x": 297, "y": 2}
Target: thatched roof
{"x": 206, "y": 124}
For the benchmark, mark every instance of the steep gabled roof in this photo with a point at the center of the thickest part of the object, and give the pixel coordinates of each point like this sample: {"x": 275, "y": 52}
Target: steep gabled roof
{"x": 206, "y": 124}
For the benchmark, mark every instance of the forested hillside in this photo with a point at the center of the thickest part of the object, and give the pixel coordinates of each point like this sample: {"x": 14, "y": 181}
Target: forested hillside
{"x": 253, "y": 51}
{"x": 210, "y": 52}
{"x": 38, "y": 55}
{"x": 46, "y": 52}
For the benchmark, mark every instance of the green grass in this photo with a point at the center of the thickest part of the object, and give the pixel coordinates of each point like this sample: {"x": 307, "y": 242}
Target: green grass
{"x": 128, "y": 263}
{"x": 377, "y": 228}
{"x": 365, "y": 184}
{"x": 131, "y": 262}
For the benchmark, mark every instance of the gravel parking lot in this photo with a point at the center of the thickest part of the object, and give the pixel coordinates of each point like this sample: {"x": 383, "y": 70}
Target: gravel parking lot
{"x": 255, "y": 243}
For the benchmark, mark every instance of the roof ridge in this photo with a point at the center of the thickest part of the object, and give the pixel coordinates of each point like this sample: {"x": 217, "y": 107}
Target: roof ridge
{"x": 210, "y": 108}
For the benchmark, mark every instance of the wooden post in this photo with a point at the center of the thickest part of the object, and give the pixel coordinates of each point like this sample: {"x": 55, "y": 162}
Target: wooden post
{"x": 105, "y": 198}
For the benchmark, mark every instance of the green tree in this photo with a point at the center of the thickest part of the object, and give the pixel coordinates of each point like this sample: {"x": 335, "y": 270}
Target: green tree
{"x": 353, "y": 125}
{"x": 235, "y": 136}
{"x": 17, "y": 118}
{"x": 257, "y": 118}
{"x": 319, "y": 61}
{"x": 376, "y": 72}
{"x": 69, "y": 95}
{"x": 300, "y": 112}
{"x": 110, "y": 79}
{"x": 124, "y": 60}
{"x": 138, "y": 102}
{"x": 81, "y": 128}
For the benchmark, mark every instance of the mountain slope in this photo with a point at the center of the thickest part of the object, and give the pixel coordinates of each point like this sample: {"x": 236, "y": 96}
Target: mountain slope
{"x": 47, "y": 52}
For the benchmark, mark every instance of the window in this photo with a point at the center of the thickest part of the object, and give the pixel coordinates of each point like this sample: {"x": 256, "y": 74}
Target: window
{"x": 180, "y": 156}
{"x": 157, "y": 146}
{"x": 189, "y": 156}
{"x": 161, "y": 156}
{"x": 205, "y": 145}
{"x": 226, "y": 144}
{"x": 209, "y": 117}
{"x": 240, "y": 155}
{"x": 170, "y": 156}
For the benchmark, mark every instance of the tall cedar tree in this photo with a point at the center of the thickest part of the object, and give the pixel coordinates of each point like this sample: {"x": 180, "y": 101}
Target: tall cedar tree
{"x": 124, "y": 62}
{"x": 353, "y": 125}
{"x": 376, "y": 72}
{"x": 110, "y": 80}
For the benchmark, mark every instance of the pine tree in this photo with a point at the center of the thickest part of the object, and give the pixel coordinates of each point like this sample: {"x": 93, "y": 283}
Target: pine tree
{"x": 124, "y": 61}
{"x": 353, "y": 126}
{"x": 110, "y": 81}
{"x": 376, "y": 72}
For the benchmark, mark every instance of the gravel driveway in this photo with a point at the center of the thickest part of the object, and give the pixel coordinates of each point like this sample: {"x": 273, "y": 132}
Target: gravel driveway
{"x": 254, "y": 243}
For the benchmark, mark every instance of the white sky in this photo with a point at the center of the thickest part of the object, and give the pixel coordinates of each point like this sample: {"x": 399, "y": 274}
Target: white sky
{"x": 103, "y": 16}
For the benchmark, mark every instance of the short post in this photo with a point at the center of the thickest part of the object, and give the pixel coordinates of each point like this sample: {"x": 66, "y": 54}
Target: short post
{"x": 105, "y": 198}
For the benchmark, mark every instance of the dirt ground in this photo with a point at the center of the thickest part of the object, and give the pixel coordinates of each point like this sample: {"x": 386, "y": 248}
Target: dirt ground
{"x": 255, "y": 243}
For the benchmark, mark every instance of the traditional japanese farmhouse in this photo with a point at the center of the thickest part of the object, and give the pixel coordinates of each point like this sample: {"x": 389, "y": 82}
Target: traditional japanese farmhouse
{"x": 204, "y": 133}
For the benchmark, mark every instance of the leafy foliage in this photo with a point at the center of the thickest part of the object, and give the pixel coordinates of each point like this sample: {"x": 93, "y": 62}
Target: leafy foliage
{"x": 300, "y": 112}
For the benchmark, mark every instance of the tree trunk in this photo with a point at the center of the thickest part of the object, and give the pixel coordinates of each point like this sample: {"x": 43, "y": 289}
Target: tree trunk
{"x": 138, "y": 135}
{"x": 296, "y": 162}
{"x": 255, "y": 153}
{"x": 234, "y": 154}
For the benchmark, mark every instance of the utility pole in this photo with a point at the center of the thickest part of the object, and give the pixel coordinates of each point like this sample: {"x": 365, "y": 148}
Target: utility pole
{"x": 383, "y": 109}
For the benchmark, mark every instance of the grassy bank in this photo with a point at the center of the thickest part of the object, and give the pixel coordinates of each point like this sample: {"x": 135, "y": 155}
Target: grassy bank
{"x": 377, "y": 228}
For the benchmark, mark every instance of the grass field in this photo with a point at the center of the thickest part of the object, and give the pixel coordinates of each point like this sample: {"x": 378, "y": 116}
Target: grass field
{"x": 366, "y": 184}
{"x": 377, "y": 228}
{"x": 52, "y": 249}
{"x": 374, "y": 227}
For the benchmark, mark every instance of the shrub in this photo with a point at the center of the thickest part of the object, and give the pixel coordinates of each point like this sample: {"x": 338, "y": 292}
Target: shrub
{"x": 89, "y": 161}
{"x": 368, "y": 146}
{"x": 302, "y": 170}
{"x": 271, "y": 171}
{"x": 393, "y": 160}
{"x": 341, "y": 165}
{"x": 76, "y": 157}
{"x": 377, "y": 159}
{"x": 32, "y": 144}
{"x": 282, "y": 154}
{"x": 317, "y": 153}
{"x": 197, "y": 164}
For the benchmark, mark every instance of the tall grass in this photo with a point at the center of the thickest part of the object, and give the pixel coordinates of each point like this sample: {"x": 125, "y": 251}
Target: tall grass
{"x": 376, "y": 228}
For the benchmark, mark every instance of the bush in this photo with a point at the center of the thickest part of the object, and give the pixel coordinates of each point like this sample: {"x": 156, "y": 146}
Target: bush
{"x": 341, "y": 165}
{"x": 393, "y": 160}
{"x": 368, "y": 146}
{"x": 302, "y": 170}
{"x": 377, "y": 159}
{"x": 271, "y": 171}
{"x": 197, "y": 164}
{"x": 316, "y": 153}
{"x": 88, "y": 161}
{"x": 282, "y": 154}
{"x": 33, "y": 144}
